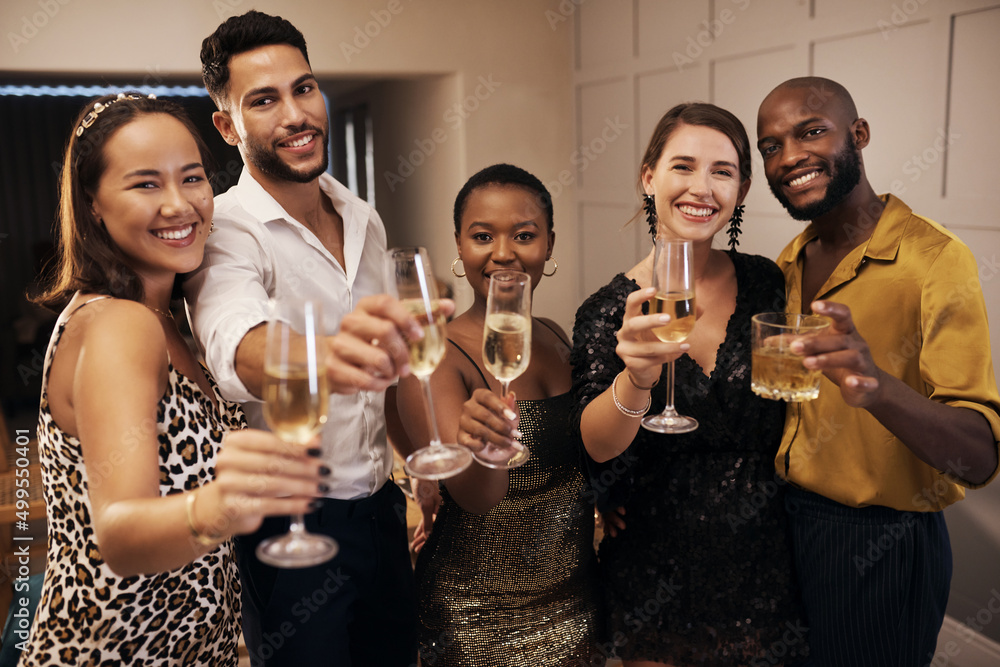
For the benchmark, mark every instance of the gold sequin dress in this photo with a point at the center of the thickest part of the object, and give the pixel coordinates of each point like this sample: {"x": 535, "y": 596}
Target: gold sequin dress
{"x": 516, "y": 586}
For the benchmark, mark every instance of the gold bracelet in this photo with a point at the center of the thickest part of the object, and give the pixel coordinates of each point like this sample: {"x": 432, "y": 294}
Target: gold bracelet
{"x": 199, "y": 537}
{"x": 621, "y": 408}
{"x": 628, "y": 374}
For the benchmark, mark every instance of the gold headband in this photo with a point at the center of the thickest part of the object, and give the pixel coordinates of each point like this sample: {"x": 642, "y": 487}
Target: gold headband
{"x": 89, "y": 119}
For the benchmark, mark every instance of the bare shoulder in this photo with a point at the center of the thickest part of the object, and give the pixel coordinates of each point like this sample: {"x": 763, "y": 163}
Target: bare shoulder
{"x": 115, "y": 328}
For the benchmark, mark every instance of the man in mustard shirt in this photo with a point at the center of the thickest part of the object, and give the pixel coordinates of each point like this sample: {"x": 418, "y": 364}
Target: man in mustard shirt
{"x": 907, "y": 416}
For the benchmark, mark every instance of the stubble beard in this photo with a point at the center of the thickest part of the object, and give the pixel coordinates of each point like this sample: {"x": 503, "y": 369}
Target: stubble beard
{"x": 846, "y": 175}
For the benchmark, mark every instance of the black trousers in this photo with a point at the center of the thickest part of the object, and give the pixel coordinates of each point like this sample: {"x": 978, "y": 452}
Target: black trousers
{"x": 874, "y": 581}
{"x": 358, "y": 609}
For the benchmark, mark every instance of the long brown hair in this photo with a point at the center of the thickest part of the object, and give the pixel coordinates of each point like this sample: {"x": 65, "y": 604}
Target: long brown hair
{"x": 87, "y": 258}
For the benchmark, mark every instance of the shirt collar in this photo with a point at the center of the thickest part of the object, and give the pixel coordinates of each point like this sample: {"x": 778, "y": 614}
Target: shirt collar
{"x": 884, "y": 241}
{"x": 253, "y": 197}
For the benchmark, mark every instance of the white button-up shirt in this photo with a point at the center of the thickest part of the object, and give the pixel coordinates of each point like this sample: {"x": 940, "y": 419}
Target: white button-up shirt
{"x": 258, "y": 252}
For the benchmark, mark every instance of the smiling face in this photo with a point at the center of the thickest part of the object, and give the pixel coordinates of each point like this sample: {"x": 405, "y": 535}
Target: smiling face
{"x": 503, "y": 227}
{"x": 154, "y": 198}
{"x": 276, "y": 114}
{"x": 696, "y": 182}
{"x": 810, "y": 150}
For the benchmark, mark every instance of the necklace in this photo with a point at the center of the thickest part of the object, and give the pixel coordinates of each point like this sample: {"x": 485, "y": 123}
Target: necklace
{"x": 167, "y": 314}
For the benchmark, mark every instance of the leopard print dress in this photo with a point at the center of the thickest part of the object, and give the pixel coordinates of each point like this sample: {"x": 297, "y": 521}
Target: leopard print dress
{"x": 88, "y": 615}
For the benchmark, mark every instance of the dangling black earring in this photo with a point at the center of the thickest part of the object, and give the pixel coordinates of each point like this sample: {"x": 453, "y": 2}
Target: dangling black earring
{"x": 734, "y": 227}
{"x": 649, "y": 204}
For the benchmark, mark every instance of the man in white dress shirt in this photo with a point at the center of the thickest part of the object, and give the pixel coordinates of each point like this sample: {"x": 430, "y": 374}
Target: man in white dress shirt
{"x": 289, "y": 228}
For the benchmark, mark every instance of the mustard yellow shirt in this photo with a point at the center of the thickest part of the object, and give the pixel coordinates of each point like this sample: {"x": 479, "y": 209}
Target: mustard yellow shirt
{"x": 914, "y": 294}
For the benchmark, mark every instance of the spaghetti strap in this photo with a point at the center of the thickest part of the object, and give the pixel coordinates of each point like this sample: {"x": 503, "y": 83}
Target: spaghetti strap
{"x": 478, "y": 370}
{"x": 87, "y": 303}
{"x": 552, "y": 329}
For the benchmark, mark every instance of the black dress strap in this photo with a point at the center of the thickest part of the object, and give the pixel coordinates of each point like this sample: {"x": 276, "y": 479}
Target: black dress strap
{"x": 553, "y": 330}
{"x": 471, "y": 360}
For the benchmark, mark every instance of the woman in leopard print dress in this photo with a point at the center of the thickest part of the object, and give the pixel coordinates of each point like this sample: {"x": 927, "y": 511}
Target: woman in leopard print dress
{"x": 142, "y": 496}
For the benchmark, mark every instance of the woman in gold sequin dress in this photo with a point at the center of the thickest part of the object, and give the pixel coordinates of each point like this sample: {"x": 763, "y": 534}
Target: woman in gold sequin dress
{"x": 507, "y": 576}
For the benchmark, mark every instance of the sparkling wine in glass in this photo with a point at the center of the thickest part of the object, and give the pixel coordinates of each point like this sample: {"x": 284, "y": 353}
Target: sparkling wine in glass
{"x": 296, "y": 401}
{"x": 416, "y": 288}
{"x": 506, "y": 350}
{"x": 673, "y": 278}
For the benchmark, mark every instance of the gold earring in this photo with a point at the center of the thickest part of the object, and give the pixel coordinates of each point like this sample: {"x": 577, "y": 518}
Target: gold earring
{"x": 555, "y": 267}
{"x": 457, "y": 260}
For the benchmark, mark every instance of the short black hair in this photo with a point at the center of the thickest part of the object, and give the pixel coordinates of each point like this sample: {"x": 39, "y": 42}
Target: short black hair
{"x": 239, "y": 34}
{"x": 504, "y": 174}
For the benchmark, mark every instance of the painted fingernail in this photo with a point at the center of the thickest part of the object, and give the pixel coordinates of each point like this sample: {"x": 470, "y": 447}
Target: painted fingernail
{"x": 517, "y": 434}
{"x": 664, "y": 318}
{"x": 314, "y": 451}
{"x": 315, "y": 505}
{"x": 509, "y": 414}
{"x": 324, "y": 471}
{"x": 323, "y": 488}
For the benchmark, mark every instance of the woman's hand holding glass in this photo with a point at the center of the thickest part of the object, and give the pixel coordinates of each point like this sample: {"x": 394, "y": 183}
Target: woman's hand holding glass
{"x": 257, "y": 475}
{"x": 506, "y": 352}
{"x": 489, "y": 420}
{"x": 296, "y": 402}
{"x": 638, "y": 347}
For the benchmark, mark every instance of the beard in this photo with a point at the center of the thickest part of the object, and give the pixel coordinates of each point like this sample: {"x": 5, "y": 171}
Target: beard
{"x": 266, "y": 159}
{"x": 845, "y": 175}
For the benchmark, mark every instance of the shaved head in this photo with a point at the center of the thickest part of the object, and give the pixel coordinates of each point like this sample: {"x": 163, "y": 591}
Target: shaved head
{"x": 816, "y": 94}
{"x": 810, "y": 137}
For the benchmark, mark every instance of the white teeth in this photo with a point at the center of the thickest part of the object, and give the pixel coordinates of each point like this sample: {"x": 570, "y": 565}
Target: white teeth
{"x": 795, "y": 182}
{"x": 700, "y": 212}
{"x": 300, "y": 142}
{"x": 174, "y": 235}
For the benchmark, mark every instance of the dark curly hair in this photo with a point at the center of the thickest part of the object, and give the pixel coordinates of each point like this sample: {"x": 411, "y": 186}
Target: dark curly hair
{"x": 504, "y": 174}
{"x": 239, "y": 34}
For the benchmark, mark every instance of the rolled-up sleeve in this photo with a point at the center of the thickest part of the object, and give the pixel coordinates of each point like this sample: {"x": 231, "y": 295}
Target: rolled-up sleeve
{"x": 955, "y": 359}
{"x": 227, "y": 297}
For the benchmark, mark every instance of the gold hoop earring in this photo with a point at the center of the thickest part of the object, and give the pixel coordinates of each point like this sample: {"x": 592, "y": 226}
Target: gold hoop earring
{"x": 555, "y": 267}
{"x": 455, "y": 273}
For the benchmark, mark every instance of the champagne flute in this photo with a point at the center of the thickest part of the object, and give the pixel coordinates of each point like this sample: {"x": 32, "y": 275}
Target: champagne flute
{"x": 417, "y": 291}
{"x": 506, "y": 350}
{"x": 296, "y": 401}
{"x": 673, "y": 278}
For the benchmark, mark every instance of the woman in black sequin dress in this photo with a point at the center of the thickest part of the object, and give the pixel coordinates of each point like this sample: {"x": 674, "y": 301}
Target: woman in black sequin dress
{"x": 701, "y": 572}
{"x": 508, "y": 575}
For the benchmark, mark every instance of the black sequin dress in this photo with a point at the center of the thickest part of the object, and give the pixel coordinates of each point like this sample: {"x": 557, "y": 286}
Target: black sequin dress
{"x": 518, "y": 585}
{"x": 702, "y": 573}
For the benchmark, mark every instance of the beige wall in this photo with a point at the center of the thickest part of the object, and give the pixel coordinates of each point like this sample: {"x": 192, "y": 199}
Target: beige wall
{"x": 507, "y": 65}
{"x": 923, "y": 72}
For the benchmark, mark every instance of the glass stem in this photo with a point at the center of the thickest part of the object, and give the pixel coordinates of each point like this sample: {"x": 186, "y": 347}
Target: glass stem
{"x": 669, "y": 407}
{"x": 425, "y": 383}
{"x": 298, "y": 525}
